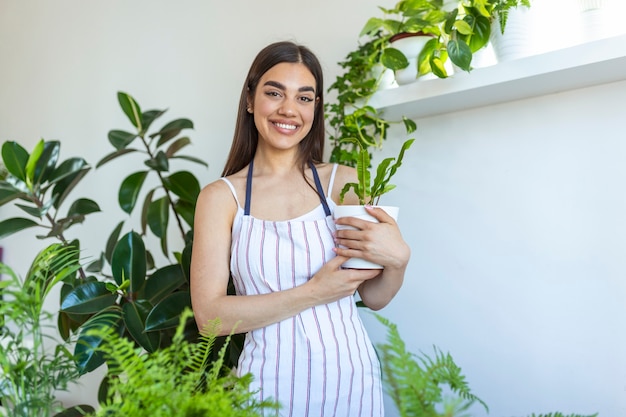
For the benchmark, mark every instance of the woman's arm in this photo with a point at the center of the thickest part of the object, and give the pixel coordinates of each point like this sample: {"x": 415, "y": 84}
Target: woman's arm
{"x": 381, "y": 243}
{"x": 210, "y": 264}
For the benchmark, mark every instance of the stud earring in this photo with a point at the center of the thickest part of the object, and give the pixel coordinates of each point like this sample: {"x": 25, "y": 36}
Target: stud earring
{"x": 249, "y": 109}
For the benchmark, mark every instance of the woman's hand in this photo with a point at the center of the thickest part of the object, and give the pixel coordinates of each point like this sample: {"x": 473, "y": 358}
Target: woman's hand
{"x": 332, "y": 283}
{"x": 381, "y": 243}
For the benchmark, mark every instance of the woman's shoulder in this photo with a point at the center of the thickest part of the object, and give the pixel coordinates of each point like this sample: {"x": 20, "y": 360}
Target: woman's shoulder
{"x": 343, "y": 174}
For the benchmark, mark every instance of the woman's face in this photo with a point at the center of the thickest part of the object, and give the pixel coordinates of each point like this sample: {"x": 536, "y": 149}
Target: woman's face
{"x": 284, "y": 105}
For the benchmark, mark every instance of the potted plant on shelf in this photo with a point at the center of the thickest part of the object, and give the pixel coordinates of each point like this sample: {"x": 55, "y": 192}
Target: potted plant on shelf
{"x": 410, "y": 32}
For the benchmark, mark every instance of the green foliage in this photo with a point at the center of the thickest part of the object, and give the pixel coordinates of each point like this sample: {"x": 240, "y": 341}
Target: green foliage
{"x": 368, "y": 192}
{"x": 34, "y": 365}
{"x": 122, "y": 288}
{"x": 557, "y": 414}
{"x": 178, "y": 380}
{"x": 416, "y": 382}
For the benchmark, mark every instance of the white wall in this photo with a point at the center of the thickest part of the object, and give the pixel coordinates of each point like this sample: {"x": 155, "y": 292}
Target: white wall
{"x": 515, "y": 212}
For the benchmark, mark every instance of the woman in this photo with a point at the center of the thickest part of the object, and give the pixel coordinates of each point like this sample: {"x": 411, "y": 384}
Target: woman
{"x": 268, "y": 221}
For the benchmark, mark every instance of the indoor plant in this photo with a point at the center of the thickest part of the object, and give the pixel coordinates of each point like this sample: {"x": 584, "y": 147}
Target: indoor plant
{"x": 179, "y": 380}
{"x": 369, "y": 188}
{"x": 34, "y": 365}
{"x": 123, "y": 281}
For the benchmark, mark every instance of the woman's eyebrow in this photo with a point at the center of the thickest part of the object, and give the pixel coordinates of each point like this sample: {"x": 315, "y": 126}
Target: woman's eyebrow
{"x": 282, "y": 87}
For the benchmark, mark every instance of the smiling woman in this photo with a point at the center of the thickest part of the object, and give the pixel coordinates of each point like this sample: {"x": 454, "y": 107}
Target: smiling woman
{"x": 268, "y": 224}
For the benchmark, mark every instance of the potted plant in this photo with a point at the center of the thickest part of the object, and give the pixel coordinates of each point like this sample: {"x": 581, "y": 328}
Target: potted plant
{"x": 146, "y": 299}
{"x": 34, "y": 365}
{"x": 410, "y": 31}
{"x": 369, "y": 188}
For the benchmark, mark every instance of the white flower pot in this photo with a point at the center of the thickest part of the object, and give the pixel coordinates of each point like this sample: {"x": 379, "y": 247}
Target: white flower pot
{"x": 516, "y": 42}
{"x": 361, "y": 213}
{"x": 410, "y": 46}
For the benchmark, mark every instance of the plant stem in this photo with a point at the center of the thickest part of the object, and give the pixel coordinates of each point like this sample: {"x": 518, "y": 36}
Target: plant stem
{"x": 167, "y": 191}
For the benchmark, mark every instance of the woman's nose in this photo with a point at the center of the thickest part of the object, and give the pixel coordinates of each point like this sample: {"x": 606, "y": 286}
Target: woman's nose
{"x": 287, "y": 109}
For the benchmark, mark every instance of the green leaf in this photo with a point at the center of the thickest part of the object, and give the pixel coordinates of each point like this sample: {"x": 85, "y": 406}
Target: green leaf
{"x": 121, "y": 139}
{"x": 14, "y": 225}
{"x": 190, "y": 159}
{"x": 9, "y": 193}
{"x": 171, "y": 130}
{"x": 87, "y": 354}
{"x": 15, "y": 159}
{"x": 423, "y": 60}
{"x": 163, "y": 282}
{"x": 112, "y": 241}
{"x": 129, "y": 261}
{"x": 372, "y": 25}
{"x": 177, "y": 145}
{"x": 409, "y": 125}
{"x": 114, "y": 155}
{"x": 186, "y": 210}
{"x": 158, "y": 216}
{"x": 144, "y": 211}
{"x": 463, "y": 27}
{"x": 33, "y": 211}
{"x": 68, "y": 168}
{"x": 64, "y": 186}
{"x": 437, "y": 67}
{"x": 47, "y": 162}
{"x": 33, "y": 158}
{"x": 166, "y": 314}
{"x": 131, "y": 109}
{"x": 394, "y": 59}
{"x": 82, "y": 207}
{"x": 150, "y": 116}
{"x": 184, "y": 184}
{"x": 135, "y": 314}
{"x": 159, "y": 162}
{"x": 88, "y": 298}
{"x": 460, "y": 54}
{"x": 129, "y": 190}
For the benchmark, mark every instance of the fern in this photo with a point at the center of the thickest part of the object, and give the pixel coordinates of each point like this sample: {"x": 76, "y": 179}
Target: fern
{"x": 416, "y": 382}
{"x": 179, "y": 380}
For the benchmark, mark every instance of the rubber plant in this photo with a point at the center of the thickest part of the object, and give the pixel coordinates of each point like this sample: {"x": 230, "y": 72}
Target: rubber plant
{"x": 123, "y": 288}
{"x": 34, "y": 364}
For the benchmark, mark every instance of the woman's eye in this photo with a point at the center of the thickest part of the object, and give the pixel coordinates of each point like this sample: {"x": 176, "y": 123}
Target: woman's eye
{"x": 306, "y": 99}
{"x": 273, "y": 93}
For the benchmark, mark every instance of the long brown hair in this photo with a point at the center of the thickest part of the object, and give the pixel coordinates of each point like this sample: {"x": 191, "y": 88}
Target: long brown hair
{"x": 246, "y": 135}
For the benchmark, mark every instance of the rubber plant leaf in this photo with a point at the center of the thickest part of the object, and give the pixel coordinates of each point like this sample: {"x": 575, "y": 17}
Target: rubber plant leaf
{"x": 148, "y": 117}
{"x": 129, "y": 261}
{"x": 159, "y": 162}
{"x": 166, "y": 314}
{"x": 186, "y": 211}
{"x": 163, "y": 282}
{"x": 131, "y": 109}
{"x": 31, "y": 163}
{"x": 62, "y": 188}
{"x": 177, "y": 145}
{"x": 86, "y": 352}
{"x": 15, "y": 158}
{"x": 114, "y": 155}
{"x": 171, "y": 130}
{"x": 158, "y": 216}
{"x": 83, "y": 206}
{"x": 9, "y": 193}
{"x": 135, "y": 314}
{"x": 184, "y": 184}
{"x": 14, "y": 225}
{"x": 191, "y": 159}
{"x": 47, "y": 161}
{"x": 68, "y": 168}
{"x": 121, "y": 139}
{"x": 88, "y": 298}
{"x": 112, "y": 241}
{"x": 129, "y": 190}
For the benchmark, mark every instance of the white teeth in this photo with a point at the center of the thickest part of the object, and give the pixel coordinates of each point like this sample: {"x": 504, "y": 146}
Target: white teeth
{"x": 284, "y": 126}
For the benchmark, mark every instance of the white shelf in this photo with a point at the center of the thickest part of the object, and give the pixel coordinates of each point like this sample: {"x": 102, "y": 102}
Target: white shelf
{"x": 584, "y": 65}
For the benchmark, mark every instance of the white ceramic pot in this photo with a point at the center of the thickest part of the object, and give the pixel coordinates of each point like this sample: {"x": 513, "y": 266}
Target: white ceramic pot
{"x": 516, "y": 42}
{"x": 361, "y": 213}
{"x": 410, "y": 46}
